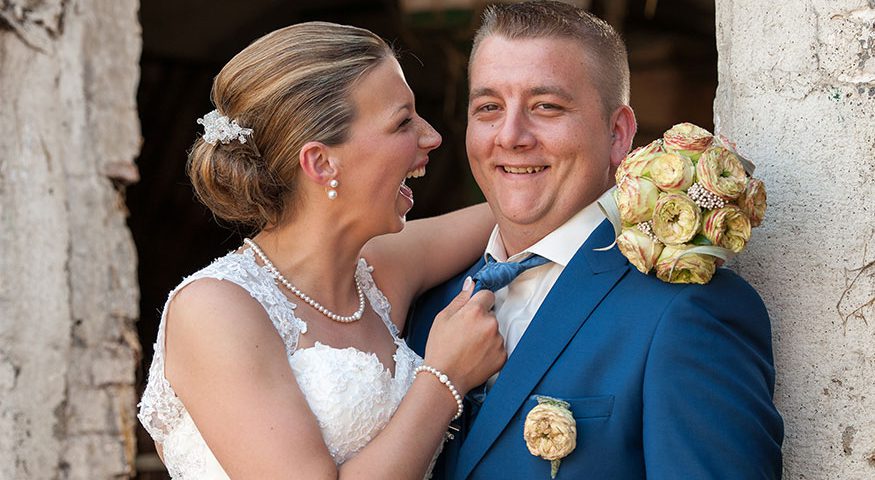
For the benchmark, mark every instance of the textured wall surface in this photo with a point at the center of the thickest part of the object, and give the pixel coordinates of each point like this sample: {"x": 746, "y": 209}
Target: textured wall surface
{"x": 68, "y": 294}
{"x": 797, "y": 93}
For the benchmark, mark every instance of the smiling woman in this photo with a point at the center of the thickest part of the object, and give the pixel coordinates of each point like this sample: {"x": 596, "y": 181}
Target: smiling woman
{"x": 313, "y": 136}
{"x": 388, "y": 143}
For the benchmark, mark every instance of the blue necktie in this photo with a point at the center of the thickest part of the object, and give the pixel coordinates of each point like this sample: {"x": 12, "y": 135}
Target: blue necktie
{"x": 496, "y": 275}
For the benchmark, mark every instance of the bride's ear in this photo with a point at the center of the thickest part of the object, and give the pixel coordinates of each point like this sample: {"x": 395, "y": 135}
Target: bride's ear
{"x": 317, "y": 163}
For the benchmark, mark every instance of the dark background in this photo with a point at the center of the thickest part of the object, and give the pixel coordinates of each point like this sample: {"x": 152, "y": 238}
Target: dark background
{"x": 673, "y": 60}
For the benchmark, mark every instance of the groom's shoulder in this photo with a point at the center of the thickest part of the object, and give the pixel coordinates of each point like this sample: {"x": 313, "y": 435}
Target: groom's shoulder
{"x": 726, "y": 290}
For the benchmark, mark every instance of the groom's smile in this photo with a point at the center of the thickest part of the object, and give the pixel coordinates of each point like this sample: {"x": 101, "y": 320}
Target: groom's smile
{"x": 523, "y": 170}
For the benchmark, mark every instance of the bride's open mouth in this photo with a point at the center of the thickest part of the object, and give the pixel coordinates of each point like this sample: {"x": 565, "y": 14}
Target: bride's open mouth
{"x": 406, "y": 191}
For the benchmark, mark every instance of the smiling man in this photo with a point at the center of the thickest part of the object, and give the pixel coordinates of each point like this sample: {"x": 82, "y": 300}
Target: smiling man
{"x": 663, "y": 381}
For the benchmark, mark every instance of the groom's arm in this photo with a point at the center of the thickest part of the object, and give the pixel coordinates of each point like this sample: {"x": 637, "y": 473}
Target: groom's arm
{"x": 708, "y": 387}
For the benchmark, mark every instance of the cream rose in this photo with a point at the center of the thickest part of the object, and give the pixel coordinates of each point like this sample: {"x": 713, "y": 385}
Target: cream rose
{"x": 550, "y": 431}
{"x": 727, "y": 227}
{"x": 641, "y": 250}
{"x": 636, "y": 163}
{"x": 676, "y": 266}
{"x": 687, "y": 139}
{"x": 636, "y": 198}
{"x": 670, "y": 172}
{"x": 720, "y": 171}
{"x": 753, "y": 201}
{"x": 676, "y": 218}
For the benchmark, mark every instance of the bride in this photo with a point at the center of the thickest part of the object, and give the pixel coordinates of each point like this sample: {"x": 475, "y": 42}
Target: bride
{"x": 282, "y": 359}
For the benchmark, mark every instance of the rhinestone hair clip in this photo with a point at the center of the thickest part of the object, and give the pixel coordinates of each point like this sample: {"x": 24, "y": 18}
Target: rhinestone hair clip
{"x": 219, "y": 128}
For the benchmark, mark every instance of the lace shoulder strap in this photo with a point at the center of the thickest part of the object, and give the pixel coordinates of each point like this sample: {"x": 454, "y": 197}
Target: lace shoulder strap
{"x": 160, "y": 409}
{"x": 375, "y": 295}
{"x": 241, "y": 269}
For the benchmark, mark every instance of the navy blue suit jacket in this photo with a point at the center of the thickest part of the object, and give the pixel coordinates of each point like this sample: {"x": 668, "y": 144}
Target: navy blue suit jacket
{"x": 665, "y": 381}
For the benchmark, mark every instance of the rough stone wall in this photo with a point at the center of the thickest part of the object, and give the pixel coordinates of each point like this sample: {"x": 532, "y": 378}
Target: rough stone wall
{"x": 68, "y": 293}
{"x": 797, "y": 93}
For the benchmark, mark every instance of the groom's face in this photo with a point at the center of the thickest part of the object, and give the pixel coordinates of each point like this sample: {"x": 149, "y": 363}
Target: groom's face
{"x": 538, "y": 138}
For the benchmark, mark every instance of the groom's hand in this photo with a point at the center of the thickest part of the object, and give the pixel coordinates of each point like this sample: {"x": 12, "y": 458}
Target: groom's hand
{"x": 464, "y": 341}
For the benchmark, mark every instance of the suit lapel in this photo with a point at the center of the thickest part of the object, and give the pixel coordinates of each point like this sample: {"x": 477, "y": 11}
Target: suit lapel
{"x": 589, "y": 276}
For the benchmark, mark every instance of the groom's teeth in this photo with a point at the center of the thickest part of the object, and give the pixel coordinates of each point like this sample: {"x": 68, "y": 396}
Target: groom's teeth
{"x": 522, "y": 169}
{"x": 419, "y": 172}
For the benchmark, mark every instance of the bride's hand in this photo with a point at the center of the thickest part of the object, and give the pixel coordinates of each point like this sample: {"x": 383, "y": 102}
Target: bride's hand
{"x": 464, "y": 341}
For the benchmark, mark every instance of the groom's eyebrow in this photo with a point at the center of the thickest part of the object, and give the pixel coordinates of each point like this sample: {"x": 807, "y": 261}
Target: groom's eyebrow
{"x": 534, "y": 91}
{"x": 551, "y": 90}
{"x": 482, "y": 92}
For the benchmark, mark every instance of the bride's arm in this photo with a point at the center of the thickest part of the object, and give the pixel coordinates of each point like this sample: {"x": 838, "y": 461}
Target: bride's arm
{"x": 430, "y": 250}
{"x": 229, "y": 367}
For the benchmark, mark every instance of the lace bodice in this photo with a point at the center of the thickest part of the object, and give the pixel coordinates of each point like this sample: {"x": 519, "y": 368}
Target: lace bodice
{"x": 351, "y": 393}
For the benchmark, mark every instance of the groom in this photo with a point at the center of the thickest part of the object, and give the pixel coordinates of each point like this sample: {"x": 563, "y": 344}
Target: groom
{"x": 664, "y": 381}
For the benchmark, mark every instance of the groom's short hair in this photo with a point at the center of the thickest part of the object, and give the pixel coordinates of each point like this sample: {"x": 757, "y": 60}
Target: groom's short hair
{"x": 609, "y": 64}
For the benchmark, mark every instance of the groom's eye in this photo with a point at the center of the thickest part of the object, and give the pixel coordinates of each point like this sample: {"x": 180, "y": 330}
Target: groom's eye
{"x": 486, "y": 108}
{"x": 404, "y": 123}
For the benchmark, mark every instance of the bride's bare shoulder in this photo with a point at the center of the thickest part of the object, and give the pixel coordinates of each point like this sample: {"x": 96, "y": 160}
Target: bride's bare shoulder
{"x": 215, "y": 299}
{"x": 212, "y": 319}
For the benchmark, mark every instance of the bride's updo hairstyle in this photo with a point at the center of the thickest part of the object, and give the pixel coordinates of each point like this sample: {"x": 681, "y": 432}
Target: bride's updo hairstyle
{"x": 291, "y": 86}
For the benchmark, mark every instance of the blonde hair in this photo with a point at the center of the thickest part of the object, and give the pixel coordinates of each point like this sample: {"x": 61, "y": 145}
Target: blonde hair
{"x": 291, "y": 86}
{"x": 551, "y": 19}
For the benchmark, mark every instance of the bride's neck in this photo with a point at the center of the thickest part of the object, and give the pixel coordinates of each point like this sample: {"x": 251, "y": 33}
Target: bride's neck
{"x": 316, "y": 254}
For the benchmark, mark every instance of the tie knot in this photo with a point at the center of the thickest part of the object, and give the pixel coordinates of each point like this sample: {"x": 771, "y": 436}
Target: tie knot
{"x": 496, "y": 275}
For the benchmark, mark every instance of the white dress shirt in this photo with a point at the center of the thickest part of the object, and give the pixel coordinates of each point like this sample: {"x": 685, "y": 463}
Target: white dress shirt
{"x": 517, "y": 303}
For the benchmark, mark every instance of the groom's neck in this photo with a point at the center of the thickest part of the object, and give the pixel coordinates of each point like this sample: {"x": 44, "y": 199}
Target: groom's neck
{"x": 517, "y": 238}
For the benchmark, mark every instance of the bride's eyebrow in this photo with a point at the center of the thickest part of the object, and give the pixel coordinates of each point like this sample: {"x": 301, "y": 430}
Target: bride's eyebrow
{"x": 407, "y": 106}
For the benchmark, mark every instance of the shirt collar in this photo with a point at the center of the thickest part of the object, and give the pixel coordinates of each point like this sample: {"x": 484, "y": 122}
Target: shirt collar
{"x": 560, "y": 245}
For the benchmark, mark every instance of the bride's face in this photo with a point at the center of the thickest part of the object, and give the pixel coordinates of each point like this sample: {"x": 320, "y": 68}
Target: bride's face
{"x": 388, "y": 143}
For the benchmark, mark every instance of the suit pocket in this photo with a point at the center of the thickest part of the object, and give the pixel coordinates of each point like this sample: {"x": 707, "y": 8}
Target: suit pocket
{"x": 600, "y": 406}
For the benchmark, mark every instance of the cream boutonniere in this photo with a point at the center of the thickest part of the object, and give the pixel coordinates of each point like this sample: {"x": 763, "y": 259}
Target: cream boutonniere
{"x": 550, "y": 431}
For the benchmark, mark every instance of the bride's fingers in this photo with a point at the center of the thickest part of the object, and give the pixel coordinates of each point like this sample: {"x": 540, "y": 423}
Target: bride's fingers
{"x": 484, "y": 299}
{"x": 460, "y": 300}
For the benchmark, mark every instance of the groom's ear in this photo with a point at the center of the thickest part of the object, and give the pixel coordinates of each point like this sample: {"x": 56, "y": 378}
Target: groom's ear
{"x": 623, "y": 127}
{"x": 317, "y": 163}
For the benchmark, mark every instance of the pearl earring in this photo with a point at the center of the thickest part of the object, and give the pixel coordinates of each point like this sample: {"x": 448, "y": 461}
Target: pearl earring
{"x": 332, "y": 193}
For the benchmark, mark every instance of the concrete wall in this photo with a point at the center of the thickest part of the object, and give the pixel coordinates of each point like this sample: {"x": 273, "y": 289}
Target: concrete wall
{"x": 797, "y": 93}
{"x": 68, "y": 292}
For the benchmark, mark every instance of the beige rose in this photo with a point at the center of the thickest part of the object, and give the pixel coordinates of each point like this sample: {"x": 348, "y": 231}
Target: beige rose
{"x": 636, "y": 198}
{"x": 676, "y": 218}
{"x": 753, "y": 201}
{"x": 720, "y": 171}
{"x": 727, "y": 227}
{"x": 676, "y": 266}
{"x": 670, "y": 172}
{"x": 641, "y": 250}
{"x": 687, "y": 139}
{"x": 636, "y": 163}
{"x": 550, "y": 431}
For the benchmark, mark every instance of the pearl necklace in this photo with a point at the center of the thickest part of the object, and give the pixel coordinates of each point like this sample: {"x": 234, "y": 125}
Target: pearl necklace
{"x": 303, "y": 296}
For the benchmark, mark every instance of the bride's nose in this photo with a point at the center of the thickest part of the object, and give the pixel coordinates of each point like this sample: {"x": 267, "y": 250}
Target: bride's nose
{"x": 429, "y": 138}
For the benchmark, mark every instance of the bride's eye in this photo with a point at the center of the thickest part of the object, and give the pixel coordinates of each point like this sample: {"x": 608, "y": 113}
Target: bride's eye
{"x": 404, "y": 123}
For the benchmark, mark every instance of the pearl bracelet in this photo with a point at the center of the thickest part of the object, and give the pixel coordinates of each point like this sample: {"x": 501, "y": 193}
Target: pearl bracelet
{"x": 446, "y": 381}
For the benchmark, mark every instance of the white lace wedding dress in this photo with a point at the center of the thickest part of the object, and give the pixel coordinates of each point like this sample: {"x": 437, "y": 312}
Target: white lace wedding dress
{"x": 352, "y": 395}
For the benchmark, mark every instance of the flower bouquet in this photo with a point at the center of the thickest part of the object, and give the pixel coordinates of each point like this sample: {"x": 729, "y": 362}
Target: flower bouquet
{"x": 684, "y": 204}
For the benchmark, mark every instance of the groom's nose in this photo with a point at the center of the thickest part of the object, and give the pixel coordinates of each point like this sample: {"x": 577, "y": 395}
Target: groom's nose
{"x": 515, "y": 132}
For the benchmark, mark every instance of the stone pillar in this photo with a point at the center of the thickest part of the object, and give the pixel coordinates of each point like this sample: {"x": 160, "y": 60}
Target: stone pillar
{"x": 68, "y": 292}
{"x": 797, "y": 93}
